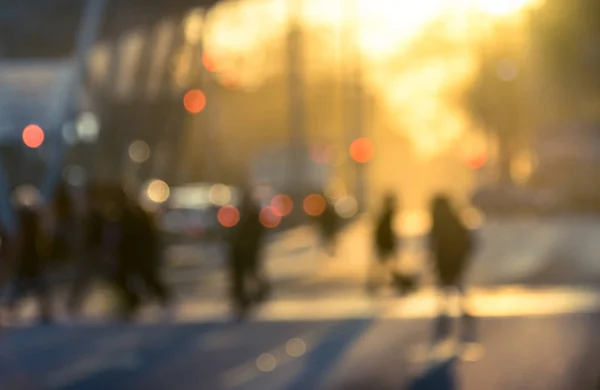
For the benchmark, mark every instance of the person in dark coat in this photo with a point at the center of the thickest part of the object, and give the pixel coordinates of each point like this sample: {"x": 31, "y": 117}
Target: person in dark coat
{"x": 64, "y": 216}
{"x": 385, "y": 245}
{"x": 29, "y": 265}
{"x": 451, "y": 246}
{"x": 139, "y": 255}
{"x": 328, "y": 223}
{"x": 245, "y": 265}
{"x": 90, "y": 263}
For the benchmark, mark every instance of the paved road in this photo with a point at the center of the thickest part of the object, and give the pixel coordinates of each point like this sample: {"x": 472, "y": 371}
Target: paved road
{"x": 533, "y": 296}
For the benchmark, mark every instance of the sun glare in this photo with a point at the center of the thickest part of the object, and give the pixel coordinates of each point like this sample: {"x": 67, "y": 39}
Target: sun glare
{"x": 413, "y": 85}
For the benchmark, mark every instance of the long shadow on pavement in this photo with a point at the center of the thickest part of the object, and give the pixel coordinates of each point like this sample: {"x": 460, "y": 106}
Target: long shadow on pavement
{"x": 441, "y": 376}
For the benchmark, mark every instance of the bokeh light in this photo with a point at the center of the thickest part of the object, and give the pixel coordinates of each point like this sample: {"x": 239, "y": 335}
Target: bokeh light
{"x": 75, "y": 175}
{"x": 27, "y": 195}
{"x": 228, "y": 216}
{"x": 33, "y": 136}
{"x": 314, "y": 205}
{"x": 477, "y": 161}
{"x": 139, "y": 151}
{"x": 346, "y": 207}
{"x": 295, "y": 347}
{"x": 269, "y": 217}
{"x": 220, "y": 194}
{"x": 209, "y": 63}
{"x": 194, "y": 101}
{"x": 362, "y": 150}
{"x": 87, "y": 127}
{"x": 522, "y": 166}
{"x": 266, "y": 362}
{"x": 282, "y": 205}
{"x": 194, "y": 25}
{"x": 158, "y": 191}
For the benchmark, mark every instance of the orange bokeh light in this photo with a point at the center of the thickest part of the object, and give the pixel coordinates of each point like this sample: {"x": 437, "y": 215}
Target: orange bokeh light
{"x": 477, "y": 162}
{"x": 362, "y": 150}
{"x": 269, "y": 217}
{"x": 282, "y": 205}
{"x": 228, "y": 216}
{"x": 314, "y": 205}
{"x": 209, "y": 62}
{"x": 194, "y": 101}
{"x": 33, "y": 136}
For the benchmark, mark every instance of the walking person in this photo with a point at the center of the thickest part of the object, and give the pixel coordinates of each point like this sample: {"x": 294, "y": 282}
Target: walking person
{"x": 451, "y": 246}
{"x": 248, "y": 284}
{"x": 30, "y": 266}
{"x": 139, "y": 258}
{"x": 382, "y": 269}
{"x": 63, "y": 214}
{"x": 328, "y": 223}
{"x": 90, "y": 262}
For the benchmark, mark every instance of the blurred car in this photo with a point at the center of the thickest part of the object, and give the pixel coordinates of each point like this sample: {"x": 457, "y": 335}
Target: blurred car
{"x": 190, "y": 213}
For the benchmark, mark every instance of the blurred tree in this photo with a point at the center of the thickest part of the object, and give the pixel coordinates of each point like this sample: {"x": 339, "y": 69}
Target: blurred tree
{"x": 496, "y": 100}
{"x": 566, "y": 34}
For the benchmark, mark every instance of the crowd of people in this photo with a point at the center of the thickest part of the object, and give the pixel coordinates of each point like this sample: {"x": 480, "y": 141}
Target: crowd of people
{"x": 110, "y": 238}
{"x": 114, "y": 239}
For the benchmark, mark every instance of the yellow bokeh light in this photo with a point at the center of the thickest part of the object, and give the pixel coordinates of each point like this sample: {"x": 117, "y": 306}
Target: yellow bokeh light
{"x": 220, "y": 194}
{"x": 158, "y": 191}
{"x": 295, "y": 347}
{"x": 266, "y": 362}
{"x": 346, "y": 207}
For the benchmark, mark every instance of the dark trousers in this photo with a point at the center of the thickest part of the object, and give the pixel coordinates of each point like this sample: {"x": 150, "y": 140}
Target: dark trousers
{"x": 89, "y": 269}
{"x": 35, "y": 284}
{"x": 248, "y": 284}
{"x": 149, "y": 276}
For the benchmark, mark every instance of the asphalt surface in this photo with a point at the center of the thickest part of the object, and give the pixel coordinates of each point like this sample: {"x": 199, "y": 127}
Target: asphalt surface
{"x": 533, "y": 296}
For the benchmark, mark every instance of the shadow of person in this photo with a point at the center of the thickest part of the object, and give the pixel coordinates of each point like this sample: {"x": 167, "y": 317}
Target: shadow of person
{"x": 441, "y": 376}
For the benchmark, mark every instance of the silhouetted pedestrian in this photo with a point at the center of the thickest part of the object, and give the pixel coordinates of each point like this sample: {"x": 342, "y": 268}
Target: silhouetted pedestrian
{"x": 64, "y": 224}
{"x": 382, "y": 270}
{"x": 451, "y": 246}
{"x": 139, "y": 257}
{"x": 248, "y": 283}
{"x": 29, "y": 268}
{"x": 329, "y": 224}
{"x": 90, "y": 263}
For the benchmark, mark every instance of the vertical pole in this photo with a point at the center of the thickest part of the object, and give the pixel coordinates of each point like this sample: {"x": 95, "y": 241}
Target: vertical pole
{"x": 296, "y": 179}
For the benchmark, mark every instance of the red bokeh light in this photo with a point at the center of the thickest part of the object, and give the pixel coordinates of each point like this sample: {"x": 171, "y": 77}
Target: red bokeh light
{"x": 362, "y": 150}
{"x": 194, "y": 101}
{"x": 228, "y": 216}
{"x": 33, "y": 136}
{"x": 314, "y": 205}
{"x": 321, "y": 154}
{"x": 282, "y": 205}
{"x": 269, "y": 217}
{"x": 208, "y": 62}
{"x": 477, "y": 162}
